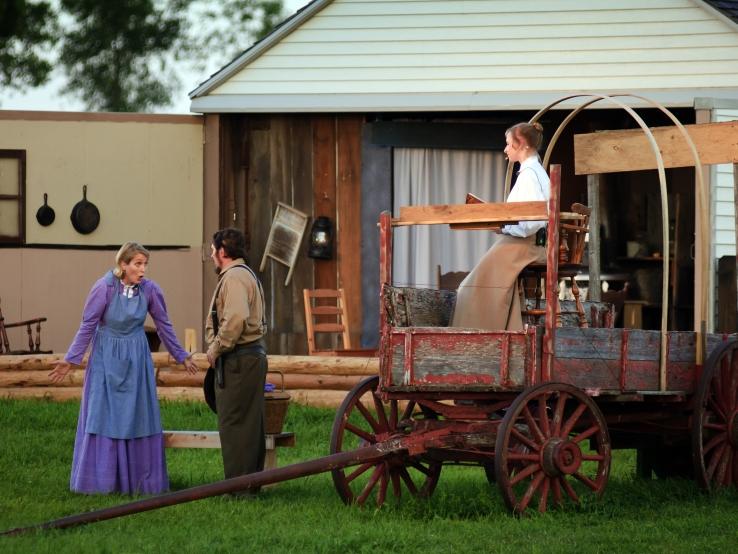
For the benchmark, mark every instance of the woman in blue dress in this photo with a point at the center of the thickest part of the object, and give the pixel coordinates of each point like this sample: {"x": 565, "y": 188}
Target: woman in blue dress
{"x": 119, "y": 445}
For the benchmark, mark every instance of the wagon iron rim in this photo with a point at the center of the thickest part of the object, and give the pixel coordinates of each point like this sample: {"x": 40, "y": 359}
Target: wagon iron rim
{"x": 363, "y": 417}
{"x": 540, "y": 452}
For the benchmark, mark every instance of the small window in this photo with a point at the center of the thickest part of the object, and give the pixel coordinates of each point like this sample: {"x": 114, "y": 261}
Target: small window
{"x": 12, "y": 196}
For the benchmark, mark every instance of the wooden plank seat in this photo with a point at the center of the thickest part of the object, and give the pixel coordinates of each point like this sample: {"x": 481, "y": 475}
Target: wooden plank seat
{"x": 211, "y": 439}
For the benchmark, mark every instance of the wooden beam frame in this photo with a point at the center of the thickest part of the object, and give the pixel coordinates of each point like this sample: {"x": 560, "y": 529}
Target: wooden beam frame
{"x": 628, "y": 150}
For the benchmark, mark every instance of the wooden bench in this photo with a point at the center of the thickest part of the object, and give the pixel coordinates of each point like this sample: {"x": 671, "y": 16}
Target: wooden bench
{"x": 211, "y": 439}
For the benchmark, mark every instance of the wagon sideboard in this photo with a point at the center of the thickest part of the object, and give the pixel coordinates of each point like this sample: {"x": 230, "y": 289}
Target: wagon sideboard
{"x": 600, "y": 361}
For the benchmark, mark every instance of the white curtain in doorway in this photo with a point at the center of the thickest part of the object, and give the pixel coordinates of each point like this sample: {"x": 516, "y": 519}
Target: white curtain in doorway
{"x": 435, "y": 176}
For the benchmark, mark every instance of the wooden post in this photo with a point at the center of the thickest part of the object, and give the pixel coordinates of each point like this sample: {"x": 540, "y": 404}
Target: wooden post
{"x": 594, "y": 292}
{"x": 552, "y": 274}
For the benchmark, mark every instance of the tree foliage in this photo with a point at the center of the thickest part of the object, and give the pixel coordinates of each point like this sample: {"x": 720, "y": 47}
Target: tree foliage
{"x": 28, "y": 30}
{"x": 116, "y": 53}
{"x": 219, "y": 31}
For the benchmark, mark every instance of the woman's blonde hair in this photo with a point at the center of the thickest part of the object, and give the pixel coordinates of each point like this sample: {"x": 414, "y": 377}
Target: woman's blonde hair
{"x": 126, "y": 254}
{"x": 531, "y": 133}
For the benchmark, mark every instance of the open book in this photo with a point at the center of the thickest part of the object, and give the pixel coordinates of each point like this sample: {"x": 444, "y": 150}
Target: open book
{"x": 474, "y": 199}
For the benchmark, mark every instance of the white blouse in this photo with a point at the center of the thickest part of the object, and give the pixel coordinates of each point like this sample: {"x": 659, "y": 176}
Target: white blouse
{"x": 531, "y": 185}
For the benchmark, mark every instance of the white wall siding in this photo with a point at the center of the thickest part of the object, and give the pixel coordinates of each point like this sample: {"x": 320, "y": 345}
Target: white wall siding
{"x": 723, "y": 200}
{"x": 412, "y": 47}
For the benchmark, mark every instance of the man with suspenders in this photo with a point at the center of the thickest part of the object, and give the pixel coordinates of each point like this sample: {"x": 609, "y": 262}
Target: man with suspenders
{"x": 234, "y": 331}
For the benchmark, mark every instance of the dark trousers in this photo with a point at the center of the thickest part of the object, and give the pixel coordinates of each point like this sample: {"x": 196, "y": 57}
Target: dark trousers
{"x": 241, "y": 414}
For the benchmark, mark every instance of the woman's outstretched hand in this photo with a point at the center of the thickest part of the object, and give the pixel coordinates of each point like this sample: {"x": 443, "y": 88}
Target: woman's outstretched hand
{"x": 61, "y": 368}
{"x": 190, "y": 365}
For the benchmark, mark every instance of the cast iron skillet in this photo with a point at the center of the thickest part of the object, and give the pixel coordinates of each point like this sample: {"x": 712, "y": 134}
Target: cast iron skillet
{"x": 85, "y": 215}
{"x": 45, "y": 214}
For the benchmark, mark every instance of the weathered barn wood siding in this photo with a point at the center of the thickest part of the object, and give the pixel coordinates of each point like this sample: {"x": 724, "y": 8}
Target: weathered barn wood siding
{"x": 314, "y": 165}
{"x": 369, "y": 49}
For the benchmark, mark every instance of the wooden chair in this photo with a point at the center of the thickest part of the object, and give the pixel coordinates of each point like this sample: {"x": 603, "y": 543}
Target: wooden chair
{"x": 325, "y": 313}
{"x": 34, "y": 342}
{"x": 572, "y": 239}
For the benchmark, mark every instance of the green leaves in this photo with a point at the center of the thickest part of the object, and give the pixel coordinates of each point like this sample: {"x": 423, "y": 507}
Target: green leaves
{"x": 28, "y": 31}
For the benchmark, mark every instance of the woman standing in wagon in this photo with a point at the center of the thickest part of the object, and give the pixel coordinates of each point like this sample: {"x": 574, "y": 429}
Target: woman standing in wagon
{"x": 119, "y": 445}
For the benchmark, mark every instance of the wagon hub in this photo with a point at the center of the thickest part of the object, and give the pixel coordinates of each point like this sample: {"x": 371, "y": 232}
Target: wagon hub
{"x": 560, "y": 457}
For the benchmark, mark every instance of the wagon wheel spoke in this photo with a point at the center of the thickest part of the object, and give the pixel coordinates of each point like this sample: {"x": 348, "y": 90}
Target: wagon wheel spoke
{"x": 586, "y": 433}
{"x": 522, "y": 456}
{"x": 543, "y": 415}
{"x": 593, "y": 457}
{"x": 393, "y": 415}
{"x": 408, "y": 411}
{"x": 715, "y": 441}
{"x": 587, "y": 481}
{"x": 530, "y": 491}
{"x": 728, "y": 480}
{"x": 559, "y": 413}
{"x": 556, "y": 488}
{"x": 572, "y": 421}
{"x": 396, "y": 486}
{"x": 525, "y": 440}
{"x": 716, "y": 426}
{"x": 382, "y": 494}
{"x": 373, "y": 423}
{"x": 722, "y": 466}
{"x": 380, "y": 411}
{"x": 714, "y": 461}
{"x": 532, "y": 425}
{"x": 408, "y": 481}
{"x": 717, "y": 409}
{"x": 376, "y": 474}
{"x": 358, "y": 471}
{"x": 360, "y": 433}
{"x": 733, "y": 383}
{"x": 420, "y": 467}
{"x": 545, "y": 490}
{"x": 569, "y": 489}
{"x": 527, "y": 472}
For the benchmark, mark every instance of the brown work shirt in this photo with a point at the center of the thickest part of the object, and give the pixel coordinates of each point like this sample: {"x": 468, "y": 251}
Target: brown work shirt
{"x": 240, "y": 310}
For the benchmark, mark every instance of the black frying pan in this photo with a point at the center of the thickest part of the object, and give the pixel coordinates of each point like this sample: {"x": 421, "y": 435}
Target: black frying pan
{"x": 45, "y": 214}
{"x": 85, "y": 215}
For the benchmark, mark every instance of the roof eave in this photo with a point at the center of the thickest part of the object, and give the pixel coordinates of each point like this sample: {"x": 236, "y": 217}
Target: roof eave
{"x": 259, "y": 48}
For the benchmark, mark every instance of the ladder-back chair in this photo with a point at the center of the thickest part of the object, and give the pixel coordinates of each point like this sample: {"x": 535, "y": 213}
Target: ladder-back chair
{"x": 325, "y": 313}
{"x": 34, "y": 339}
{"x": 572, "y": 240}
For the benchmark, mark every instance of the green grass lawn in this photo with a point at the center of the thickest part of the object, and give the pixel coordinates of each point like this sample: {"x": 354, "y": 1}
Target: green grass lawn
{"x": 465, "y": 514}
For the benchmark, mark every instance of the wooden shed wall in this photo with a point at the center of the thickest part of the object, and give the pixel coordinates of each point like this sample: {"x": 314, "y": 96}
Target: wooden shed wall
{"x": 312, "y": 163}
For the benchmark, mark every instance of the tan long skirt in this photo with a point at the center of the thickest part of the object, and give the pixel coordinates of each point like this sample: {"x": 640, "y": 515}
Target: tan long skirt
{"x": 488, "y": 297}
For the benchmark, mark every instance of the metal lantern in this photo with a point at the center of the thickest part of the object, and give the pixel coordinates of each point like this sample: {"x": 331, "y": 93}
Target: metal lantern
{"x": 321, "y": 239}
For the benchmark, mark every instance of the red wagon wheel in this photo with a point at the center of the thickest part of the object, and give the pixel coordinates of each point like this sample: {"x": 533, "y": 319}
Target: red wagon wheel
{"x": 552, "y": 446}
{"x": 715, "y": 421}
{"x": 363, "y": 419}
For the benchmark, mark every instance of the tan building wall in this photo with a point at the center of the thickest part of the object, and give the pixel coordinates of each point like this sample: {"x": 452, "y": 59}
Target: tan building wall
{"x": 143, "y": 172}
{"x": 145, "y": 175}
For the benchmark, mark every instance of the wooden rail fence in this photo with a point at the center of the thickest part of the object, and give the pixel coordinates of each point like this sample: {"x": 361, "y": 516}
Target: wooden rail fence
{"x": 312, "y": 380}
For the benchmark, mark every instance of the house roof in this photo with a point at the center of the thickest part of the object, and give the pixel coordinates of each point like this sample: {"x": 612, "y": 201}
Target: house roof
{"x": 435, "y": 55}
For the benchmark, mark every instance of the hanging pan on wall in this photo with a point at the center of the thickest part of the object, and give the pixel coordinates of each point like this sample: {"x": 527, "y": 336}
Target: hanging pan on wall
{"x": 45, "y": 214}
{"x": 85, "y": 215}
